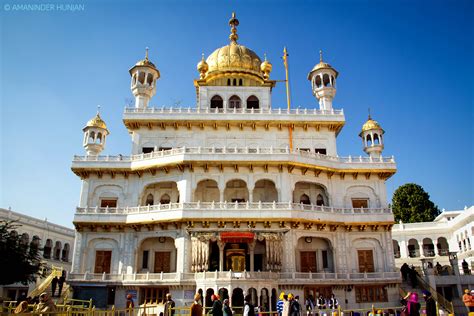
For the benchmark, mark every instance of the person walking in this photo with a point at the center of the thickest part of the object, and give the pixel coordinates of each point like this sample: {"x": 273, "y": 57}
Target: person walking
{"x": 129, "y": 303}
{"x": 169, "y": 306}
{"x": 468, "y": 300}
{"x": 333, "y": 303}
{"x": 216, "y": 309}
{"x": 286, "y": 305}
{"x": 61, "y": 284}
{"x": 430, "y": 303}
{"x": 54, "y": 284}
{"x": 249, "y": 309}
{"x": 196, "y": 307}
{"x": 321, "y": 302}
{"x": 280, "y": 303}
{"x": 295, "y": 307}
{"x": 46, "y": 305}
{"x": 309, "y": 303}
{"x": 226, "y": 309}
{"x": 413, "y": 307}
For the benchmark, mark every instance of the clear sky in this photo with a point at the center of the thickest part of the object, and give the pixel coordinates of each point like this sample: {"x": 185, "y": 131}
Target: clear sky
{"x": 411, "y": 62}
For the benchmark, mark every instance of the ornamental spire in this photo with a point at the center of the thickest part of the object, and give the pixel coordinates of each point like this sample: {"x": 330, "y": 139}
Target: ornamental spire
{"x": 320, "y": 55}
{"x": 146, "y": 53}
{"x": 233, "y": 22}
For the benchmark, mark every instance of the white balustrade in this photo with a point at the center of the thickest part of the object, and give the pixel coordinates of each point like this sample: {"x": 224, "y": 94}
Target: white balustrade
{"x": 189, "y": 110}
{"x": 257, "y": 206}
{"x": 227, "y": 275}
{"x": 233, "y": 150}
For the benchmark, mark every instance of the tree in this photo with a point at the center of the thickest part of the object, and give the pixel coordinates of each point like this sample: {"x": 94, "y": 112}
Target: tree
{"x": 19, "y": 261}
{"x": 411, "y": 204}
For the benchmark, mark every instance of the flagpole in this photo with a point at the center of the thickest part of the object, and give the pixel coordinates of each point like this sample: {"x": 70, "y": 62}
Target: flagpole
{"x": 285, "y": 62}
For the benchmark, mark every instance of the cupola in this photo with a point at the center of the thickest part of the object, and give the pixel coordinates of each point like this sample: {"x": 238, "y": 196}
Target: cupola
{"x": 143, "y": 85}
{"x": 372, "y": 138}
{"x": 95, "y": 133}
{"x": 323, "y": 82}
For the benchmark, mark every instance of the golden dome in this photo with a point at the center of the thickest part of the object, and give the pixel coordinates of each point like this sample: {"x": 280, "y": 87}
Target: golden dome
{"x": 202, "y": 67}
{"x": 145, "y": 62}
{"x": 371, "y": 125}
{"x": 321, "y": 65}
{"x": 266, "y": 67}
{"x": 97, "y": 121}
{"x": 234, "y": 57}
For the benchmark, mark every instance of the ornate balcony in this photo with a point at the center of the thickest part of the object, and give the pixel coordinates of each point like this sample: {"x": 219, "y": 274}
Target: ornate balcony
{"x": 226, "y": 211}
{"x": 233, "y": 155}
{"x": 192, "y": 278}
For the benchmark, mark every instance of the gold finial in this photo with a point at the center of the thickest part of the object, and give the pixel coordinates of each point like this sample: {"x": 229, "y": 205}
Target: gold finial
{"x": 146, "y": 53}
{"x": 320, "y": 55}
{"x": 265, "y": 56}
{"x": 369, "y": 114}
{"x": 233, "y": 22}
{"x": 98, "y": 109}
{"x": 202, "y": 58}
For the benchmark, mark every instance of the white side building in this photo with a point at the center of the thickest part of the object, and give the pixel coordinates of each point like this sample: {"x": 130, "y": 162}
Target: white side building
{"x": 56, "y": 241}
{"x": 438, "y": 250}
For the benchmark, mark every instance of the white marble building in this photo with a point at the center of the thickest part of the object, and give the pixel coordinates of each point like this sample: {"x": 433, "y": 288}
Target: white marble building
{"x": 448, "y": 240}
{"x": 56, "y": 242}
{"x": 234, "y": 196}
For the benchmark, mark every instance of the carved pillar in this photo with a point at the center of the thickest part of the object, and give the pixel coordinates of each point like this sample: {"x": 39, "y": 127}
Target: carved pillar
{"x": 252, "y": 253}
{"x": 221, "y": 245}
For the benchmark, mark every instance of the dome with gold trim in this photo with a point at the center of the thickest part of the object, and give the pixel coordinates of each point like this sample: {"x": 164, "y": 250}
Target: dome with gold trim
{"x": 96, "y": 121}
{"x": 371, "y": 125}
{"x": 234, "y": 58}
{"x": 322, "y": 65}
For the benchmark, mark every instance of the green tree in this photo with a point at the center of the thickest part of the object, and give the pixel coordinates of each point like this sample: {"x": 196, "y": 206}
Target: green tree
{"x": 411, "y": 204}
{"x": 20, "y": 261}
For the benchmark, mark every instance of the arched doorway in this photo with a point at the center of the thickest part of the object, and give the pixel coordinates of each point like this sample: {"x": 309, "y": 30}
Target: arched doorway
{"x": 264, "y": 300}
{"x": 207, "y": 191}
{"x": 265, "y": 191}
{"x": 236, "y": 191}
{"x": 310, "y": 193}
{"x": 238, "y": 300}
{"x": 209, "y": 293}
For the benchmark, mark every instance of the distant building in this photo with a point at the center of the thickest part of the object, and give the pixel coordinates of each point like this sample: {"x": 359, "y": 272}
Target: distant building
{"x": 438, "y": 250}
{"x": 57, "y": 242}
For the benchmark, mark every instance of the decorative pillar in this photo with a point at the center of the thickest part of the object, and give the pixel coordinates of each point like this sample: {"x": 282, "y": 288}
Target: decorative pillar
{"x": 252, "y": 252}
{"x": 221, "y": 245}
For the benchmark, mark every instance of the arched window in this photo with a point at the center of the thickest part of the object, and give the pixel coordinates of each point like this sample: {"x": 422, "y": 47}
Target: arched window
{"x": 165, "y": 199}
{"x": 57, "y": 250}
{"x": 149, "y": 79}
{"x": 318, "y": 81}
{"x": 234, "y": 82}
{"x": 92, "y": 137}
{"x": 369, "y": 140}
{"x": 320, "y": 200}
{"x": 228, "y": 82}
{"x": 65, "y": 253}
{"x": 252, "y": 102}
{"x": 333, "y": 81}
{"x": 141, "y": 77}
{"x": 376, "y": 139}
{"x": 234, "y": 102}
{"x": 240, "y": 82}
{"x": 304, "y": 199}
{"x": 149, "y": 199}
{"x": 326, "y": 81}
{"x": 217, "y": 102}
{"x": 47, "y": 248}
{"x": 99, "y": 138}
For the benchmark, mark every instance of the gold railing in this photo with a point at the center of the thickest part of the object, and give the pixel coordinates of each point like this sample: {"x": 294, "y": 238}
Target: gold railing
{"x": 55, "y": 272}
{"x": 440, "y": 299}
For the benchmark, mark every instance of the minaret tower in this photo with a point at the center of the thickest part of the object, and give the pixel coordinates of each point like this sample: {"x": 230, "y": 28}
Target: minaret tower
{"x": 144, "y": 76}
{"x": 372, "y": 138}
{"x": 323, "y": 81}
{"x": 95, "y": 133}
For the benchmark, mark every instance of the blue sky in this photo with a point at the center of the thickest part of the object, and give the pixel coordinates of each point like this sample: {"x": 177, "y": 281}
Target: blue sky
{"x": 411, "y": 62}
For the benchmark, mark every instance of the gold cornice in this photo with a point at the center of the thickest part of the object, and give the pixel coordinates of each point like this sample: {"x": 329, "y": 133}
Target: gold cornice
{"x": 181, "y": 165}
{"x": 216, "y": 123}
{"x": 295, "y": 223}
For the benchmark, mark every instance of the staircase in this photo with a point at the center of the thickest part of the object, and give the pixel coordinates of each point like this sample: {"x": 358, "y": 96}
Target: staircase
{"x": 45, "y": 286}
{"x": 442, "y": 303}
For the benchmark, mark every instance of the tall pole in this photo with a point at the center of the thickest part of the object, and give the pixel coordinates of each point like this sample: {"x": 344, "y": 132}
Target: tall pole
{"x": 285, "y": 62}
